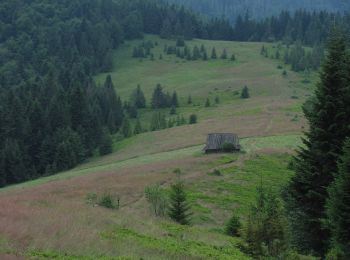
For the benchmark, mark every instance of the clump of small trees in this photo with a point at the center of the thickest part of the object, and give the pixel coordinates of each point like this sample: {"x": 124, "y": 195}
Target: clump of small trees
{"x": 175, "y": 206}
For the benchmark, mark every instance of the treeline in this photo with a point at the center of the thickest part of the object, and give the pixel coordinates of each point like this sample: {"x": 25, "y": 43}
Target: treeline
{"x": 259, "y": 9}
{"x": 308, "y": 28}
{"x": 299, "y": 57}
{"x": 52, "y": 114}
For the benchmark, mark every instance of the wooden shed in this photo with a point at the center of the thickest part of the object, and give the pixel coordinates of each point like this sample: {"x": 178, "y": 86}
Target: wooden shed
{"x": 222, "y": 142}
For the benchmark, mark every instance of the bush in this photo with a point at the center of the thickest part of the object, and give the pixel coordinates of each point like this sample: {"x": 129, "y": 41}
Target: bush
{"x": 216, "y": 172}
{"x": 245, "y": 93}
{"x": 228, "y": 147}
{"x": 107, "y": 201}
{"x": 158, "y": 200}
{"x": 193, "y": 119}
{"x": 233, "y": 226}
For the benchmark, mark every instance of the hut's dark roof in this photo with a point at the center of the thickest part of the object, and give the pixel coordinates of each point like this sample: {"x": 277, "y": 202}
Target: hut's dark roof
{"x": 216, "y": 141}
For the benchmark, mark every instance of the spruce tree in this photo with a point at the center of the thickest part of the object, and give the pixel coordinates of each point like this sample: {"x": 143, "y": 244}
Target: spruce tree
{"x": 179, "y": 209}
{"x": 224, "y": 54}
{"x": 138, "y": 127}
{"x": 213, "y": 54}
{"x": 233, "y": 57}
{"x": 174, "y": 100}
{"x": 106, "y": 146}
{"x": 316, "y": 163}
{"x": 126, "y": 128}
{"x": 189, "y": 100}
{"x": 245, "y": 93}
{"x": 207, "y": 103}
{"x": 338, "y": 205}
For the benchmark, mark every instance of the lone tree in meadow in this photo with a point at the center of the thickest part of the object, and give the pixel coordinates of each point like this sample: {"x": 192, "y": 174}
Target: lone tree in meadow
{"x": 213, "y": 54}
{"x": 245, "y": 93}
{"x": 224, "y": 54}
{"x": 179, "y": 209}
{"x": 207, "y": 103}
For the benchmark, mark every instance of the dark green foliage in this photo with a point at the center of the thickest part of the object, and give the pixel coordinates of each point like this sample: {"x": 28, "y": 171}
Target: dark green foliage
{"x": 207, "y": 103}
{"x": 189, "y": 100}
{"x": 193, "y": 119}
{"x": 159, "y": 98}
{"x": 213, "y": 54}
{"x": 245, "y": 93}
{"x": 106, "y": 146}
{"x": 107, "y": 201}
{"x": 228, "y": 147}
{"x": 196, "y": 53}
{"x": 315, "y": 164}
{"x": 126, "y": 128}
{"x": 174, "y": 100}
{"x": 224, "y": 54}
{"x": 217, "y": 100}
{"x": 180, "y": 42}
{"x": 338, "y": 205}
{"x": 138, "y": 127}
{"x": 233, "y": 226}
{"x": 233, "y": 57}
{"x": 158, "y": 122}
{"x": 266, "y": 233}
{"x": 173, "y": 110}
{"x": 179, "y": 209}
{"x": 301, "y": 60}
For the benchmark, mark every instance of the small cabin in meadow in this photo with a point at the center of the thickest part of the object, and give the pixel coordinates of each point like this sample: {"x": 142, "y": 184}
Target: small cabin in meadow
{"x": 222, "y": 142}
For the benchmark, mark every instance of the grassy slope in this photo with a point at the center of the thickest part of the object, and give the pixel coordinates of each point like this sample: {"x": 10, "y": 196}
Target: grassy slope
{"x": 48, "y": 218}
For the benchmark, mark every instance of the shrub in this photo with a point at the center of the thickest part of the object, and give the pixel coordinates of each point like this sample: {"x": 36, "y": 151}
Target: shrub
{"x": 233, "y": 226}
{"x": 107, "y": 201}
{"x": 228, "y": 147}
{"x": 245, "y": 93}
{"x": 157, "y": 198}
{"x": 216, "y": 172}
{"x": 193, "y": 119}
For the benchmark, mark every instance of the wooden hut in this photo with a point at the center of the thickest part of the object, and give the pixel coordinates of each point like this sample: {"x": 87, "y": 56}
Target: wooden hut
{"x": 222, "y": 143}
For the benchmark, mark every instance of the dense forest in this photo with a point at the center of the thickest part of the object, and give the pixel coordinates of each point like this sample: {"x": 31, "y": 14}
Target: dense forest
{"x": 259, "y": 9}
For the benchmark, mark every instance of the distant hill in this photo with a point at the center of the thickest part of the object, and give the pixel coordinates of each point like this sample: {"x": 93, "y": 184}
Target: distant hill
{"x": 260, "y": 8}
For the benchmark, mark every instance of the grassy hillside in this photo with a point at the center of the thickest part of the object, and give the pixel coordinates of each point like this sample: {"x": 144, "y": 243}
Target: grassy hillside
{"x": 53, "y": 217}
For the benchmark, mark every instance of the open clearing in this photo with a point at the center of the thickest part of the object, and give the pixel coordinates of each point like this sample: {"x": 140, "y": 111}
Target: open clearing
{"x": 50, "y": 217}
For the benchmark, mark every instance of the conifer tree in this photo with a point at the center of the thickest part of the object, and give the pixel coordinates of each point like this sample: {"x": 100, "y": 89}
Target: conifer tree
{"x": 138, "y": 127}
{"x": 174, "y": 100}
{"x": 173, "y": 110}
{"x": 196, "y": 53}
{"x": 106, "y": 143}
{"x": 316, "y": 164}
{"x": 224, "y": 54}
{"x": 179, "y": 210}
{"x": 338, "y": 205}
{"x": 189, "y": 100}
{"x": 126, "y": 128}
{"x": 213, "y": 54}
{"x": 245, "y": 93}
{"x": 233, "y": 57}
{"x": 207, "y": 103}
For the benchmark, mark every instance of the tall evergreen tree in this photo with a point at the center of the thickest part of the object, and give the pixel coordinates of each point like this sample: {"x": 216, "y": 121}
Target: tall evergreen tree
{"x": 316, "y": 163}
{"x": 338, "y": 205}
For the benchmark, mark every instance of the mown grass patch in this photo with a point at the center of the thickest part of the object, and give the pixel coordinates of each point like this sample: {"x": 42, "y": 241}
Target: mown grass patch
{"x": 236, "y": 189}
